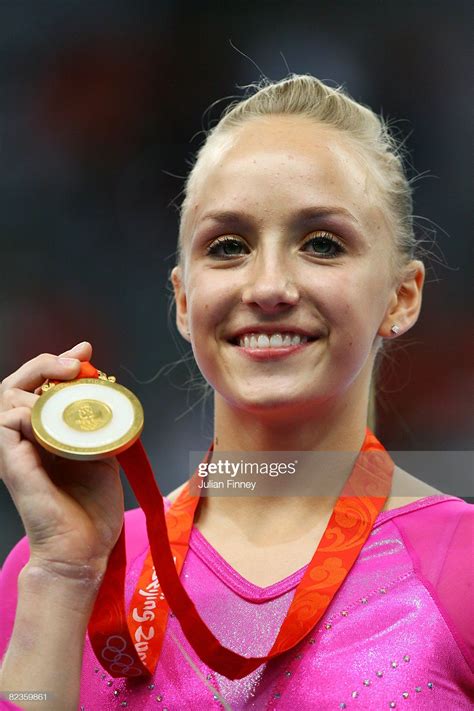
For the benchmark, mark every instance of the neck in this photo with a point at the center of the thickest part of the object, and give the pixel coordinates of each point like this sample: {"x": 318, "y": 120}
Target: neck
{"x": 334, "y": 428}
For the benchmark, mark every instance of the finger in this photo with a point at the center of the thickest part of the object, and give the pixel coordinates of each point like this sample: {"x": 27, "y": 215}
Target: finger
{"x": 15, "y": 454}
{"x": 34, "y": 372}
{"x": 14, "y": 397}
{"x": 83, "y": 351}
{"x": 15, "y": 424}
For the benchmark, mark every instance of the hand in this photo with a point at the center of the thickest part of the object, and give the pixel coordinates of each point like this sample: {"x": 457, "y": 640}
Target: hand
{"x": 72, "y": 511}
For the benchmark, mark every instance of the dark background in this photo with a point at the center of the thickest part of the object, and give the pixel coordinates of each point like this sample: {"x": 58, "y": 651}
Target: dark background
{"x": 102, "y": 106}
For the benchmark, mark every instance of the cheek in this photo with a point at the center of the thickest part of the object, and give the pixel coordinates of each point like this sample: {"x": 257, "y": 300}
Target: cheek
{"x": 208, "y": 313}
{"x": 338, "y": 296}
{"x": 355, "y": 293}
{"x": 346, "y": 303}
{"x": 209, "y": 298}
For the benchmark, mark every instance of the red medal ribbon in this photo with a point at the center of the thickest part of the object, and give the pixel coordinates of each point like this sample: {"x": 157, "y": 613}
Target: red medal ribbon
{"x": 130, "y": 646}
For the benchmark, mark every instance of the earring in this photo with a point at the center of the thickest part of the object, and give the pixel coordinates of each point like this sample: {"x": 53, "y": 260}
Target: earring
{"x": 395, "y": 329}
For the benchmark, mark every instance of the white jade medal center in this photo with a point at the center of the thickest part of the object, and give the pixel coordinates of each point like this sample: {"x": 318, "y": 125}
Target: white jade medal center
{"x": 86, "y": 419}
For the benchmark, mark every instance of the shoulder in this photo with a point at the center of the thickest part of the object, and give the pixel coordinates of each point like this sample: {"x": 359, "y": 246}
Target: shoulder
{"x": 406, "y": 489}
{"x": 411, "y": 486}
{"x": 443, "y": 522}
{"x": 439, "y": 538}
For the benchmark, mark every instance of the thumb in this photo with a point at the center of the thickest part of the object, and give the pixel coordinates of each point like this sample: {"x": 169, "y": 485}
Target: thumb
{"x": 82, "y": 351}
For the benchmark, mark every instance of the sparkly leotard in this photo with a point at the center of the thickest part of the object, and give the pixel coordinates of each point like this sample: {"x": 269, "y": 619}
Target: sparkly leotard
{"x": 398, "y": 634}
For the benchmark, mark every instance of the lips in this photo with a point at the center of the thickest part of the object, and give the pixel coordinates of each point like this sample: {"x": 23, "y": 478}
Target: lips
{"x": 273, "y": 353}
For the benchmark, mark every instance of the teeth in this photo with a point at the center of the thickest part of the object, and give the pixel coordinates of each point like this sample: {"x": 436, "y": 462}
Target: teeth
{"x": 275, "y": 340}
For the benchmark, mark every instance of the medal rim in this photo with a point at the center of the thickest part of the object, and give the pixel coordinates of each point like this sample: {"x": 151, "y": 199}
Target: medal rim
{"x": 87, "y": 453}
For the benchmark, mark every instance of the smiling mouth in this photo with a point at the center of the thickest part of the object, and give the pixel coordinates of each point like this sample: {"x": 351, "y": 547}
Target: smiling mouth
{"x": 271, "y": 353}
{"x": 235, "y": 342}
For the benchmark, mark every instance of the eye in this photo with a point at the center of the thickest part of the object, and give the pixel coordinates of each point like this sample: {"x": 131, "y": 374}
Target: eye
{"x": 324, "y": 243}
{"x": 330, "y": 246}
{"x": 229, "y": 244}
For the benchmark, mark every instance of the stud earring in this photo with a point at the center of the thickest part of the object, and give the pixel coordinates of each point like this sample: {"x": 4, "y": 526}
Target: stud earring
{"x": 395, "y": 329}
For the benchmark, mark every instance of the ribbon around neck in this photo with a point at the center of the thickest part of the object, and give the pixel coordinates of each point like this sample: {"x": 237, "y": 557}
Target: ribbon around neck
{"x": 130, "y": 645}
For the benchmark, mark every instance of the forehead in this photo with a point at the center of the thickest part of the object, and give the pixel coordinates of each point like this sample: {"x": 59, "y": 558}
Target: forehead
{"x": 274, "y": 163}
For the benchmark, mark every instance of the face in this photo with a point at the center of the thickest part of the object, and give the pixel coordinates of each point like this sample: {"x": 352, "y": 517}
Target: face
{"x": 307, "y": 247}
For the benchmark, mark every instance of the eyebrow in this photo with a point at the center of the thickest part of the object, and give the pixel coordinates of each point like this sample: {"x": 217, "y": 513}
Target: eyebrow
{"x": 230, "y": 217}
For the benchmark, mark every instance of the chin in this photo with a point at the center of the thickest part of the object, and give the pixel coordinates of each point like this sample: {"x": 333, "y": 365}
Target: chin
{"x": 272, "y": 403}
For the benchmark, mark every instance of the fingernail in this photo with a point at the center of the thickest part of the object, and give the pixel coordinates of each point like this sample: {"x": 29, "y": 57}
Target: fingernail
{"x": 68, "y": 362}
{"x": 78, "y": 347}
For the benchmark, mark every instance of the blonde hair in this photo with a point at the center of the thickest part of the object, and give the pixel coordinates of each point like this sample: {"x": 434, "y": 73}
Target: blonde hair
{"x": 306, "y": 96}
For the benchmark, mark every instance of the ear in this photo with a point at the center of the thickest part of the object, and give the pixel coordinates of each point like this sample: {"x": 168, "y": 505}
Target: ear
{"x": 405, "y": 303}
{"x": 181, "y": 302}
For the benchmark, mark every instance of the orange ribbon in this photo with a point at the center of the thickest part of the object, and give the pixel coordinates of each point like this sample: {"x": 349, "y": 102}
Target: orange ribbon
{"x": 130, "y": 646}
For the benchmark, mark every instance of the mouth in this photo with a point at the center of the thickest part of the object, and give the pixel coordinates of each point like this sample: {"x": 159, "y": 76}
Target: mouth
{"x": 271, "y": 352}
{"x": 237, "y": 341}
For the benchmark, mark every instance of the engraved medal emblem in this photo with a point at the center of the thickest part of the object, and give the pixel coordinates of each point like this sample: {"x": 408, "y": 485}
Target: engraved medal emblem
{"x": 87, "y": 415}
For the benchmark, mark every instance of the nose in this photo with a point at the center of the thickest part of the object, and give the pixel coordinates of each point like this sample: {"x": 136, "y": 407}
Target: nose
{"x": 269, "y": 281}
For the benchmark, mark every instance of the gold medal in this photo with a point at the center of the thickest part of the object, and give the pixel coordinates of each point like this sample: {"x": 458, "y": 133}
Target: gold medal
{"x": 87, "y": 418}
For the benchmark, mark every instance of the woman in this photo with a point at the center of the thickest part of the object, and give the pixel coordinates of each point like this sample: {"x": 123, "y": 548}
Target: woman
{"x": 296, "y": 222}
